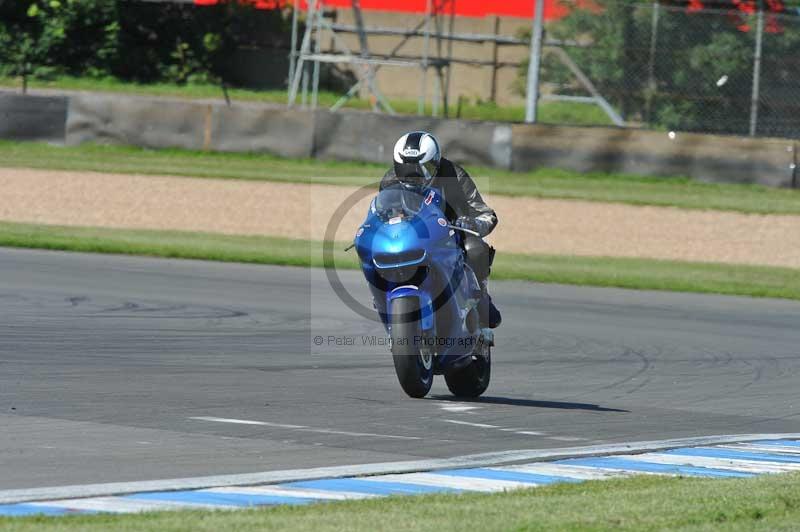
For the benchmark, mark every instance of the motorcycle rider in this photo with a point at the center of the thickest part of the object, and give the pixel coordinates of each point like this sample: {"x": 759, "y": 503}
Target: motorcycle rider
{"x": 418, "y": 161}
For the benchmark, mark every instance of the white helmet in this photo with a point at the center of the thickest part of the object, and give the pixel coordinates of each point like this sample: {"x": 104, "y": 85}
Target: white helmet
{"x": 417, "y": 157}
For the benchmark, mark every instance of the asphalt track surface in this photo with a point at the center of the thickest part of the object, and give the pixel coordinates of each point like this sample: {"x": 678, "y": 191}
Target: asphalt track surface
{"x": 124, "y": 368}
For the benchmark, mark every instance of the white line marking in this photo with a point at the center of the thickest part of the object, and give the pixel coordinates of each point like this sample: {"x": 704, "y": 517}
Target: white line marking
{"x": 523, "y": 431}
{"x": 458, "y": 408}
{"x": 120, "y": 505}
{"x": 502, "y": 429}
{"x": 771, "y": 449}
{"x": 293, "y": 475}
{"x": 569, "y": 471}
{"x": 293, "y": 492}
{"x": 749, "y": 466}
{"x": 447, "y": 481}
{"x": 359, "y": 434}
{"x": 247, "y": 422}
{"x": 565, "y": 438}
{"x": 479, "y": 425}
{"x": 302, "y": 428}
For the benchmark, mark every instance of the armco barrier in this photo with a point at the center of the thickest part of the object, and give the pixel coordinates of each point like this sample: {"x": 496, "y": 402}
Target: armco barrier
{"x": 360, "y": 136}
{"x": 279, "y": 131}
{"x": 369, "y": 137}
{"x": 166, "y": 123}
{"x": 143, "y": 122}
{"x": 33, "y": 117}
{"x": 704, "y": 157}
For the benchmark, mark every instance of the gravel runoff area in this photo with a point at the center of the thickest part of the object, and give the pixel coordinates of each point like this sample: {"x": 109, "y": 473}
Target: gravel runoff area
{"x": 527, "y": 225}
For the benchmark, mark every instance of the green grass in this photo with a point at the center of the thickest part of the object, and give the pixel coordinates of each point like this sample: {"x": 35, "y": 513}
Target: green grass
{"x": 756, "y": 281}
{"x": 544, "y": 183}
{"x": 549, "y": 112}
{"x": 649, "y": 274}
{"x": 172, "y": 244}
{"x": 132, "y": 160}
{"x": 644, "y": 503}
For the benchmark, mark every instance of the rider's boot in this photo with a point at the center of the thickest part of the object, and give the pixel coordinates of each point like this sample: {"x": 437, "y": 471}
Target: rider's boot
{"x": 488, "y": 313}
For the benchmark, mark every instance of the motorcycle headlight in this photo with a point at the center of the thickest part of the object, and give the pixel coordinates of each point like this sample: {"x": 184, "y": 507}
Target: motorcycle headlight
{"x": 413, "y": 275}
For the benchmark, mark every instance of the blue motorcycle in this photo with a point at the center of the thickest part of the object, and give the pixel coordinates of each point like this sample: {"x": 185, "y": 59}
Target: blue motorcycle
{"x": 424, "y": 292}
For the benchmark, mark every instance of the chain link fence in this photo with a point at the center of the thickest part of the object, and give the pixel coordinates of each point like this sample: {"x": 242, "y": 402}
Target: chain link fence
{"x": 731, "y": 67}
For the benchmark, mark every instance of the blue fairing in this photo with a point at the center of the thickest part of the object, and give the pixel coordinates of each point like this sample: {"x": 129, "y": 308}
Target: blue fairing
{"x": 407, "y": 249}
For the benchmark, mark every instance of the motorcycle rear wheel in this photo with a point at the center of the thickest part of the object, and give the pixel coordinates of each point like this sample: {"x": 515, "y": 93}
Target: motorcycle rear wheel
{"x": 414, "y": 369}
{"x": 472, "y": 380}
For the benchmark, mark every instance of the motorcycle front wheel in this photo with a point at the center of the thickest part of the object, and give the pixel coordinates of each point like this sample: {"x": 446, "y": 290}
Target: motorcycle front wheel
{"x": 414, "y": 369}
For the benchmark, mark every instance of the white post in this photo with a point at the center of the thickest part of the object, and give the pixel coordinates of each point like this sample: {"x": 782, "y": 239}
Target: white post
{"x": 304, "y": 85}
{"x": 651, "y": 64}
{"x": 531, "y": 103}
{"x": 756, "y": 71}
{"x": 423, "y": 87}
{"x": 293, "y": 53}
{"x": 317, "y": 50}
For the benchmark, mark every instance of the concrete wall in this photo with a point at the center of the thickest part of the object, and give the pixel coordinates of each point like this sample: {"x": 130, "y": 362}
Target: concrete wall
{"x": 363, "y": 136}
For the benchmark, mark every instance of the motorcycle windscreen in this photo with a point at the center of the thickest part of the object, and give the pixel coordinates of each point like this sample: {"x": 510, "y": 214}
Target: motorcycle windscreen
{"x": 398, "y": 201}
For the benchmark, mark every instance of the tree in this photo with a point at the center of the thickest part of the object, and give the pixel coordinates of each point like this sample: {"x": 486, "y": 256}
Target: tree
{"x": 698, "y": 77}
{"x": 46, "y": 37}
{"x": 135, "y": 41}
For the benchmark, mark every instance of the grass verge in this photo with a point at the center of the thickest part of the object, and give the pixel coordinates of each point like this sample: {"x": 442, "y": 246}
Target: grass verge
{"x": 549, "y": 112}
{"x": 770, "y": 502}
{"x": 756, "y": 281}
{"x": 544, "y": 183}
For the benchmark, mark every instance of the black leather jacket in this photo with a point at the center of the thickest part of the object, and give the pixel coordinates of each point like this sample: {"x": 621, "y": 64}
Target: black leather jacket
{"x": 461, "y": 196}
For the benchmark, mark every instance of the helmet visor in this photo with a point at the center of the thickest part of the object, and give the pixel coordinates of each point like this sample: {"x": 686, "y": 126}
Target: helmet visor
{"x": 415, "y": 173}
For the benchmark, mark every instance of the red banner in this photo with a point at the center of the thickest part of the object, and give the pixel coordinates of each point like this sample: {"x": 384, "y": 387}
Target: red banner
{"x": 553, "y": 9}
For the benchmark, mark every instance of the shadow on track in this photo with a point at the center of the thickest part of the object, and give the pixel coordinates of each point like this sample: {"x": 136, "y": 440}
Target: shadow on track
{"x": 527, "y": 402}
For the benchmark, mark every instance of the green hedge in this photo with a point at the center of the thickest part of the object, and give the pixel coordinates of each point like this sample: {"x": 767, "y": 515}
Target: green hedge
{"x": 133, "y": 41}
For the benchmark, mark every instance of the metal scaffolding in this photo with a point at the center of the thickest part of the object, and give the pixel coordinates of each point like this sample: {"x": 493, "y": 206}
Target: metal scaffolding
{"x": 305, "y": 61}
{"x": 436, "y": 28}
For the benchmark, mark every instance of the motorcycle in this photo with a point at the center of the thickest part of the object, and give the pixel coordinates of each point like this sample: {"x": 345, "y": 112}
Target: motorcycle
{"x": 425, "y": 293}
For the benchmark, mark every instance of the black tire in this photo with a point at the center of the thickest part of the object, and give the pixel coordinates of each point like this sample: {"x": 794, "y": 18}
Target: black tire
{"x": 472, "y": 380}
{"x": 414, "y": 371}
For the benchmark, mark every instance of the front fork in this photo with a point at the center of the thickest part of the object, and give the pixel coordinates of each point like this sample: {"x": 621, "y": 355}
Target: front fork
{"x": 427, "y": 323}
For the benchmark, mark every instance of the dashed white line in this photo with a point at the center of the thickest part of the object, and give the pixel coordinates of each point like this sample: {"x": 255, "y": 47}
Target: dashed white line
{"x": 503, "y": 429}
{"x": 479, "y": 425}
{"x": 247, "y": 422}
{"x": 301, "y": 428}
{"x": 458, "y": 408}
{"x": 365, "y": 434}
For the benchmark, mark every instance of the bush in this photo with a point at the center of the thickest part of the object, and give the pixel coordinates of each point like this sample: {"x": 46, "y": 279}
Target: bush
{"x": 45, "y": 37}
{"x": 133, "y": 41}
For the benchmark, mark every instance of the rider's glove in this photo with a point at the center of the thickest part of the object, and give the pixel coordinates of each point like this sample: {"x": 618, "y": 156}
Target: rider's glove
{"x": 465, "y": 222}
